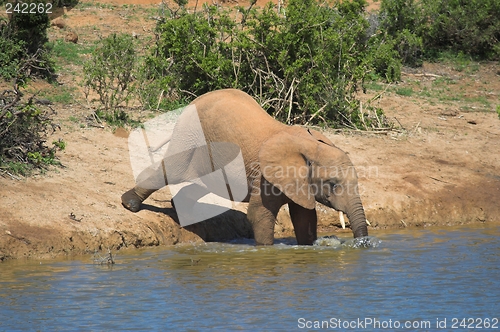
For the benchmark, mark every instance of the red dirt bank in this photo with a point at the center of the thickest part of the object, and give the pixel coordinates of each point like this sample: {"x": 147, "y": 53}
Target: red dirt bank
{"x": 443, "y": 169}
{"x": 435, "y": 175}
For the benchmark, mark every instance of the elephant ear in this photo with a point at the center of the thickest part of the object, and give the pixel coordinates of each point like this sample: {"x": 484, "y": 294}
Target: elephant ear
{"x": 320, "y": 137}
{"x": 284, "y": 164}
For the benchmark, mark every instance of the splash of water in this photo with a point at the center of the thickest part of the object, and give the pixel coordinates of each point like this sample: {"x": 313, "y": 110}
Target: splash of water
{"x": 329, "y": 241}
{"x": 360, "y": 242}
{"x": 363, "y": 242}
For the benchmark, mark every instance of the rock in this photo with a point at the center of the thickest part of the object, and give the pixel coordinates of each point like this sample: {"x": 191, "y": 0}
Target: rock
{"x": 71, "y": 37}
{"x": 58, "y": 22}
{"x": 43, "y": 102}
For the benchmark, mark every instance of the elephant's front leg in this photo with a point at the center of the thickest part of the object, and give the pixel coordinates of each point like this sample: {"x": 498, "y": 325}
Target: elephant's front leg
{"x": 263, "y": 208}
{"x": 304, "y": 222}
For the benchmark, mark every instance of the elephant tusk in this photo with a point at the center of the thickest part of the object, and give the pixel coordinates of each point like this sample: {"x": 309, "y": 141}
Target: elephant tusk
{"x": 342, "y": 221}
{"x": 368, "y": 223}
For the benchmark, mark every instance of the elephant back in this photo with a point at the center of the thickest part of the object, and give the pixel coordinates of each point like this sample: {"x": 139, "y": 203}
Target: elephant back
{"x": 231, "y": 115}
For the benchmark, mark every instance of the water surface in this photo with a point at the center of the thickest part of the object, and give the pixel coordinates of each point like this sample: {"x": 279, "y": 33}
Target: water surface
{"x": 416, "y": 277}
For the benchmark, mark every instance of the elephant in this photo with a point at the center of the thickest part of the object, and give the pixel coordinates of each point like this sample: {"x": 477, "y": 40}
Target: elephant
{"x": 282, "y": 165}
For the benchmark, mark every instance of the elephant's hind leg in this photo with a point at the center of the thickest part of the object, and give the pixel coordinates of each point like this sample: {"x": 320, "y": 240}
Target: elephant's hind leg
{"x": 133, "y": 198}
{"x": 149, "y": 181}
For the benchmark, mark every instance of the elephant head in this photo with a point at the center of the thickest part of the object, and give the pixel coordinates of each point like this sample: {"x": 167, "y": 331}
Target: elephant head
{"x": 307, "y": 170}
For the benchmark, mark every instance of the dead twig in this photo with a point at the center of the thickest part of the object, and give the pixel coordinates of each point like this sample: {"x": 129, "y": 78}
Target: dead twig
{"x": 373, "y": 131}
{"x": 189, "y": 92}
{"x": 20, "y": 238}
{"x": 400, "y": 123}
{"x": 12, "y": 176}
{"x": 435, "y": 179}
{"x": 422, "y": 75}
{"x": 416, "y": 128}
{"x": 316, "y": 114}
{"x": 72, "y": 216}
{"x": 290, "y": 96}
{"x": 108, "y": 259}
{"x": 362, "y": 115}
{"x": 380, "y": 94}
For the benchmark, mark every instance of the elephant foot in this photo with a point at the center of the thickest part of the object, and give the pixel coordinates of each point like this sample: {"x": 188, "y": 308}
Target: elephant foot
{"x": 131, "y": 201}
{"x": 263, "y": 238}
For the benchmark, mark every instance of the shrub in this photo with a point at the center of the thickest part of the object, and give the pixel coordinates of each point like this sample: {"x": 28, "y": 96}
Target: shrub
{"x": 471, "y": 27}
{"x": 24, "y": 127}
{"x": 24, "y": 36}
{"x": 303, "y": 67}
{"x": 30, "y": 28}
{"x": 10, "y": 51}
{"x": 24, "y": 124}
{"x": 110, "y": 71}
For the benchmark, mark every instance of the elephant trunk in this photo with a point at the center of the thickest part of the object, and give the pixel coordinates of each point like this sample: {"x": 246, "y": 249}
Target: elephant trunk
{"x": 357, "y": 218}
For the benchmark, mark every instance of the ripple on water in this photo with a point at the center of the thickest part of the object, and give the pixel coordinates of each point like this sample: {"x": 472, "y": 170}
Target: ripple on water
{"x": 412, "y": 275}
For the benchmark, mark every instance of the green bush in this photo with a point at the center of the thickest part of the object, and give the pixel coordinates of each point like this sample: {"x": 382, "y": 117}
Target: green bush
{"x": 24, "y": 127}
{"x": 471, "y": 27}
{"x": 10, "y": 52}
{"x": 110, "y": 71}
{"x": 30, "y": 28}
{"x": 303, "y": 67}
{"x": 24, "y": 124}
{"x": 24, "y": 36}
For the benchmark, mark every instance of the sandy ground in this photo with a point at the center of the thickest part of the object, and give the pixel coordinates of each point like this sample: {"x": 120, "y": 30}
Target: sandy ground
{"x": 441, "y": 168}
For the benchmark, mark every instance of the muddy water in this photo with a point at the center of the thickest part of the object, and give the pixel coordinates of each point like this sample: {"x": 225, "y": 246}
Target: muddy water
{"x": 423, "y": 279}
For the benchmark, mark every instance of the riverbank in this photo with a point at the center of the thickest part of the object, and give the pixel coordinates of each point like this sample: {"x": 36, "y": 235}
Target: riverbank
{"x": 440, "y": 167}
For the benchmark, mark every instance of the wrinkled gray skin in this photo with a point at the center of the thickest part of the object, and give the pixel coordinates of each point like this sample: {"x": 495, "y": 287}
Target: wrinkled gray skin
{"x": 268, "y": 148}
